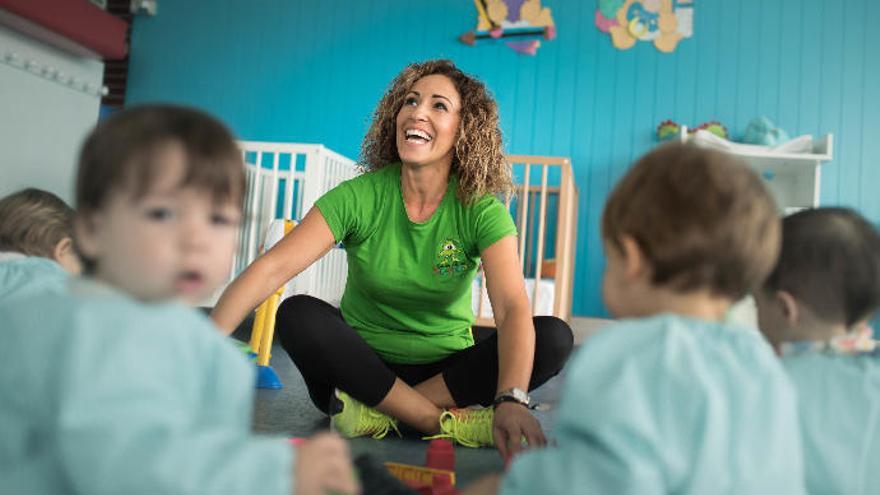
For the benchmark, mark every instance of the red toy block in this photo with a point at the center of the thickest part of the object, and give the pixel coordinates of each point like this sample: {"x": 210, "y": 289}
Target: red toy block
{"x": 440, "y": 455}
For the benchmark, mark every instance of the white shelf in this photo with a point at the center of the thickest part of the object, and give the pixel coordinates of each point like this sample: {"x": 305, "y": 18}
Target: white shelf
{"x": 793, "y": 178}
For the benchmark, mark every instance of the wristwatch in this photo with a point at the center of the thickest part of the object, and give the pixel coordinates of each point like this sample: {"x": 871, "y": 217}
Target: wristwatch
{"x": 512, "y": 395}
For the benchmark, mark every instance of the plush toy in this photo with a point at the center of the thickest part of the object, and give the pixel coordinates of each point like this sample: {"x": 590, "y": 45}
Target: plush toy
{"x": 763, "y": 131}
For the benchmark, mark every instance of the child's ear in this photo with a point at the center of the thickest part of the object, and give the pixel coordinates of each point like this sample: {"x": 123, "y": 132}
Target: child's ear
{"x": 788, "y": 306}
{"x": 635, "y": 264}
{"x": 66, "y": 256}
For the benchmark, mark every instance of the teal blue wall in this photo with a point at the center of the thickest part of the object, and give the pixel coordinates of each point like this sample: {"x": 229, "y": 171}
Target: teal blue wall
{"x": 312, "y": 70}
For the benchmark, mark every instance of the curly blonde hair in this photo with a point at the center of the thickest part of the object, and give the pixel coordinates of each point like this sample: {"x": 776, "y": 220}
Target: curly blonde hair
{"x": 478, "y": 156}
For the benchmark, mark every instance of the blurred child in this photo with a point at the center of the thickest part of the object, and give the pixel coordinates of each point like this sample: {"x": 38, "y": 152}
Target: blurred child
{"x": 813, "y": 308}
{"x": 114, "y": 387}
{"x": 36, "y": 243}
{"x": 670, "y": 399}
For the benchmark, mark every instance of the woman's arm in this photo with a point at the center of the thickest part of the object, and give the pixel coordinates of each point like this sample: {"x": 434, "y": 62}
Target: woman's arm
{"x": 516, "y": 345}
{"x": 307, "y": 242}
{"x": 513, "y": 319}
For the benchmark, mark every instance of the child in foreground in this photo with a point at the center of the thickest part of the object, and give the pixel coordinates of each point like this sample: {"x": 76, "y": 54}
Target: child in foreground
{"x": 812, "y": 308}
{"x": 670, "y": 399}
{"x": 115, "y": 386}
{"x": 36, "y": 244}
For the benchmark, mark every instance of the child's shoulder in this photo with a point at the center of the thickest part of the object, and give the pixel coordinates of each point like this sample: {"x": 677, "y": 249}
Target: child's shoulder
{"x": 97, "y": 309}
{"x": 28, "y": 265}
{"x": 167, "y": 331}
{"x": 675, "y": 342}
{"x": 830, "y": 367}
{"x": 24, "y": 276}
{"x": 670, "y": 328}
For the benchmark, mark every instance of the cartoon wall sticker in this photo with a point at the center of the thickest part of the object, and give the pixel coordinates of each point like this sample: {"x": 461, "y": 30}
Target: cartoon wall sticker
{"x": 520, "y": 24}
{"x": 663, "y": 22}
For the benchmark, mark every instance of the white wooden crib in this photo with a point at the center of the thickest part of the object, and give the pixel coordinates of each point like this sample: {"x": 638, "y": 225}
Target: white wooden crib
{"x": 283, "y": 182}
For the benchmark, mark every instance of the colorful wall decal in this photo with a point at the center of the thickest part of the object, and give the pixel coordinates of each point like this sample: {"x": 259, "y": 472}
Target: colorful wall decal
{"x": 663, "y": 22}
{"x": 520, "y": 24}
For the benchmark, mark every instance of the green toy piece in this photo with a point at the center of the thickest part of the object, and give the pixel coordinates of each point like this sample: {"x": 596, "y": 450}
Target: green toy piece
{"x": 669, "y": 129}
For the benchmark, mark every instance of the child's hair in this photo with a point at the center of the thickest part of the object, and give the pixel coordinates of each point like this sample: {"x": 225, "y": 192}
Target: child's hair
{"x": 830, "y": 262}
{"x": 702, "y": 219}
{"x": 33, "y": 222}
{"x": 122, "y": 152}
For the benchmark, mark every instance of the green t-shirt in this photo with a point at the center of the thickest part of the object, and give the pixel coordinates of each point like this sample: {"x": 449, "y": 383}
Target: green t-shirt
{"x": 409, "y": 284}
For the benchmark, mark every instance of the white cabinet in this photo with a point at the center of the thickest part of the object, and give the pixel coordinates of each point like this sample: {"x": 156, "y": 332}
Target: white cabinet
{"x": 793, "y": 170}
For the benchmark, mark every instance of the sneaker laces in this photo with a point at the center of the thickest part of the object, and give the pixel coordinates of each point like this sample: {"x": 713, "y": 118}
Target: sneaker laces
{"x": 357, "y": 420}
{"x": 468, "y": 427}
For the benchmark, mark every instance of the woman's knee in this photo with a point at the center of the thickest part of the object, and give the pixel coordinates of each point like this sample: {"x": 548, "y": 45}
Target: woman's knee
{"x": 554, "y": 341}
{"x": 298, "y": 320}
{"x": 299, "y": 304}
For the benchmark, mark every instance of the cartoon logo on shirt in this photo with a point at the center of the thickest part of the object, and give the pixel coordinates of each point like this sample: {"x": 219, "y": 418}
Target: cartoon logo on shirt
{"x": 450, "y": 258}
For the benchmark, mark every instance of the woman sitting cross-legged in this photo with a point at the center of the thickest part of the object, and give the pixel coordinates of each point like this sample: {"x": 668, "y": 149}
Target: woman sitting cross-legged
{"x": 416, "y": 227}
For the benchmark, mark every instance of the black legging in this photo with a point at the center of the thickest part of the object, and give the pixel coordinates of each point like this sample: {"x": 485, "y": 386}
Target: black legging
{"x": 330, "y": 354}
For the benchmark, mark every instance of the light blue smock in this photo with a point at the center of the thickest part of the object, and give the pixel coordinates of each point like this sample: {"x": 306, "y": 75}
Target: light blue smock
{"x": 670, "y": 405}
{"x": 839, "y": 399}
{"x": 100, "y": 394}
{"x": 26, "y": 276}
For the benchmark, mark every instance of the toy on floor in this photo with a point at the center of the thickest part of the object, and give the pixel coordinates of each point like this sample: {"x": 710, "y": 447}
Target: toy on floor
{"x": 376, "y": 479}
{"x": 437, "y": 477}
{"x": 372, "y": 474}
{"x": 245, "y": 349}
{"x": 264, "y": 323}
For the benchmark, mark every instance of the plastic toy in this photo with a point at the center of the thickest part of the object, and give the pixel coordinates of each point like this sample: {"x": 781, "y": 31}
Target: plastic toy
{"x": 377, "y": 480}
{"x": 669, "y": 129}
{"x": 437, "y": 477}
{"x": 264, "y": 323}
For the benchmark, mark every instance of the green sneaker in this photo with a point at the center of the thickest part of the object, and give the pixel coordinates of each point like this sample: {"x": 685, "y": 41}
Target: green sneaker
{"x": 470, "y": 427}
{"x": 357, "y": 420}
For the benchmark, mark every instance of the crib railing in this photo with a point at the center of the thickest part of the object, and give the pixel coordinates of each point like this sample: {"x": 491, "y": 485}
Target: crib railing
{"x": 540, "y": 181}
{"x": 283, "y": 181}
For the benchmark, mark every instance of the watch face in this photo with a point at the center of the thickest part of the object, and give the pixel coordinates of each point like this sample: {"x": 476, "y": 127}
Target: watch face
{"x": 520, "y": 395}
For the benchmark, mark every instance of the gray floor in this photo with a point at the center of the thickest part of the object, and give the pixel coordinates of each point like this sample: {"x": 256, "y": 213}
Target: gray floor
{"x": 290, "y": 412}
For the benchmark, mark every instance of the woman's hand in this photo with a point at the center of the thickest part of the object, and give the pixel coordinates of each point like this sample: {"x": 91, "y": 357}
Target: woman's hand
{"x": 512, "y": 423}
{"x": 323, "y": 465}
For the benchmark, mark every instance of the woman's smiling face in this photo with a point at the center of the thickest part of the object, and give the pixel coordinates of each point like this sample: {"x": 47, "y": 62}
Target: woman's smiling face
{"x": 427, "y": 124}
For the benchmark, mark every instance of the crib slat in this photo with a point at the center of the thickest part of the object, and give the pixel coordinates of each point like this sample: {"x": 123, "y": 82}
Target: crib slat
{"x": 273, "y": 205}
{"x": 542, "y": 221}
{"x": 287, "y": 211}
{"x": 482, "y": 290}
{"x": 523, "y": 218}
{"x": 254, "y": 212}
{"x": 566, "y": 221}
